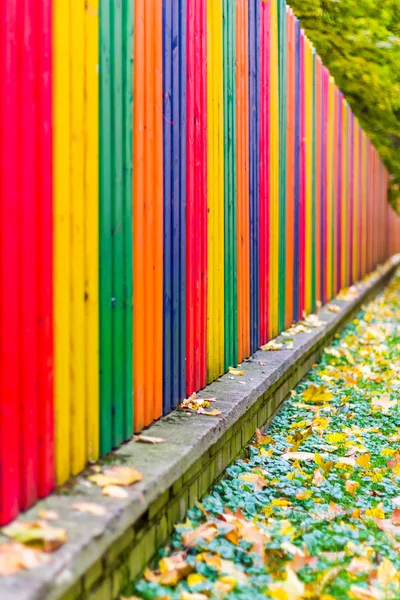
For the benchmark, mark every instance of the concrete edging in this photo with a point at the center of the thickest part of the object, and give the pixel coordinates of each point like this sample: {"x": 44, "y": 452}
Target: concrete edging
{"x": 104, "y": 552}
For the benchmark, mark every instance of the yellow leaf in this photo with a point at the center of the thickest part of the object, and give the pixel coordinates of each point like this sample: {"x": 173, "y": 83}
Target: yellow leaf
{"x": 281, "y": 502}
{"x": 37, "y": 534}
{"x": 387, "y": 573}
{"x": 212, "y": 413}
{"x": 336, "y": 438}
{"x": 272, "y": 347}
{"x": 194, "y": 579}
{"x": 234, "y": 371}
{"x": 317, "y": 394}
{"x": 364, "y": 461}
{"x": 303, "y": 494}
{"x": 124, "y": 476}
{"x": 389, "y": 452}
{"x": 375, "y": 513}
{"x": 191, "y": 596}
{"x": 292, "y": 586}
{"x": 351, "y": 486}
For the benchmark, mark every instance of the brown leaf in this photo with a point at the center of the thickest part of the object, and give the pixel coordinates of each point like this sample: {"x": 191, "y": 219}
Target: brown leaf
{"x": 360, "y": 593}
{"x": 359, "y": 565}
{"x": 205, "y": 531}
{"x": 147, "y": 439}
{"x": 171, "y": 570}
{"x": 318, "y": 478}
{"x": 90, "y": 507}
{"x": 37, "y": 534}
{"x": 254, "y": 479}
{"x": 212, "y": 413}
{"x": 115, "y": 491}
{"x": 396, "y": 517}
{"x": 14, "y": 557}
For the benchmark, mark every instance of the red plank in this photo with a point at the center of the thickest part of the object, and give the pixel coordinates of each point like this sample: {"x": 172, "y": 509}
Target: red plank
{"x": 10, "y": 375}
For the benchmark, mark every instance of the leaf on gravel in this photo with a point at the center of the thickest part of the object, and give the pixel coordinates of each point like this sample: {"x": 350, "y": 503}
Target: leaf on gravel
{"x": 298, "y": 456}
{"x": 37, "y": 534}
{"x": 170, "y": 571}
{"x": 114, "y": 491}
{"x": 383, "y": 403}
{"x": 317, "y": 394}
{"x": 292, "y": 586}
{"x": 204, "y": 532}
{"x": 360, "y": 593}
{"x": 90, "y": 507}
{"x": 15, "y": 557}
{"x": 147, "y": 439}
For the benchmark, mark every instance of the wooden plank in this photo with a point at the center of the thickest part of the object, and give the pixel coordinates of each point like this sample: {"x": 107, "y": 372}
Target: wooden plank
{"x": 10, "y": 374}
{"x": 215, "y": 191}
{"x": 230, "y": 191}
{"x": 196, "y": 198}
{"x": 62, "y": 236}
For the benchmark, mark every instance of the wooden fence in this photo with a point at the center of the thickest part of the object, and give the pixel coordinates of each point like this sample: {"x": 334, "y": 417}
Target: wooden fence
{"x": 180, "y": 180}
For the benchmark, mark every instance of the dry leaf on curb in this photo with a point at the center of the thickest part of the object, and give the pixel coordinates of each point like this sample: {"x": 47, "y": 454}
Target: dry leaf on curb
{"x": 334, "y": 308}
{"x": 90, "y": 507}
{"x": 14, "y": 557}
{"x": 37, "y": 534}
{"x": 48, "y": 515}
{"x": 272, "y": 347}
{"x": 147, "y": 439}
{"x": 115, "y": 491}
{"x": 117, "y": 476}
{"x": 212, "y": 413}
{"x": 234, "y": 371}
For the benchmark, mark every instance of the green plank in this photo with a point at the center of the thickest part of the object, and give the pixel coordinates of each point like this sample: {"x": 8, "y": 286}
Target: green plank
{"x": 230, "y": 264}
{"x": 282, "y": 164}
{"x": 105, "y": 227}
{"x": 128, "y": 210}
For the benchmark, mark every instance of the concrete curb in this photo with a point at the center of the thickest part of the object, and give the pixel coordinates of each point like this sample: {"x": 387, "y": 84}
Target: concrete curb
{"x": 104, "y": 552}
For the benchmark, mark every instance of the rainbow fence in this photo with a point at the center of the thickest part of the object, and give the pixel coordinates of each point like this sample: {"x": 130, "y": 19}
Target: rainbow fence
{"x": 180, "y": 180}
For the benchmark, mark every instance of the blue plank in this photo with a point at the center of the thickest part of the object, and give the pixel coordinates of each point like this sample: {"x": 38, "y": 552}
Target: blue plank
{"x": 174, "y": 148}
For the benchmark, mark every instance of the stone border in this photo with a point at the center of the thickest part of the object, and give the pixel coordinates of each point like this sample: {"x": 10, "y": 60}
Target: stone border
{"x": 104, "y": 553}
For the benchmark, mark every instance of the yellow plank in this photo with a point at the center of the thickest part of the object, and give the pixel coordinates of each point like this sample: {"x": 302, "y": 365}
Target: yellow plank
{"x": 61, "y": 220}
{"x": 355, "y": 202}
{"x": 77, "y": 201}
{"x": 274, "y": 174}
{"x": 92, "y": 225}
{"x": 215, "y": 183}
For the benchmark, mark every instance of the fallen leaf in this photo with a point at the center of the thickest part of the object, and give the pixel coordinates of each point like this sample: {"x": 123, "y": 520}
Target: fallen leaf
{"x": 384, "y": 403}
{"x": 386, "y": 573}
{"x": 147, "y": 439}
{"x": 14, "y": 557}
{"x": 117, "y": 475}
{"x": 298, "y": 456}
{"x": 318, "y": 478}
{"x": 272, "y": 347}
{"x": 315, "y": 394}
{"x": 292, "y": 585}
{"x": 37, "y": 534}
{"x": 48, "y": 515}
{"x": 204, "y": 532}
{"x": 359, "y": 565}
{"x": 212, "y": 413}
{"x": 194, "y": 579}
{"x": 171, "y": 569}
{"x": 114, "y": 491}
{"x": 192, "y": 596}
{"x": 234, "y": 371}
{"x": 351, "y": 486}
{"x": 91, "y": 508}
{"x": 254, "y": 479}
{"x": 396, "y": 517}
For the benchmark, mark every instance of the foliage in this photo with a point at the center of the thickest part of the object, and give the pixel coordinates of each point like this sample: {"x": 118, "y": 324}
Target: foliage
{"x": 359, "y": 41}
{"x": 313, "y": 511}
